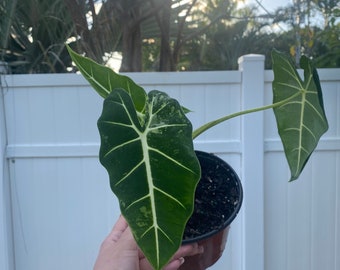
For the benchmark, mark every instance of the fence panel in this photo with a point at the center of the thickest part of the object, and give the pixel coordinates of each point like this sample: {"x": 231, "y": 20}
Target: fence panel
{"x": 302, "y": 217}
{"x": 61, "y": 203}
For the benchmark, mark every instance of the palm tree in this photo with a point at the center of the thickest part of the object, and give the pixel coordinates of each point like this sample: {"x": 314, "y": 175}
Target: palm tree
{"x": 34, "y": 34}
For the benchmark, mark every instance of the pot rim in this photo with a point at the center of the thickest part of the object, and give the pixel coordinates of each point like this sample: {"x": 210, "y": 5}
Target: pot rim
{"x": 229, "y": 220}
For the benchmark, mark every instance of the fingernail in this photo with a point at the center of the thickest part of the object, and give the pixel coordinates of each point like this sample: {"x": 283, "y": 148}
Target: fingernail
{"x": 181, "y": 260}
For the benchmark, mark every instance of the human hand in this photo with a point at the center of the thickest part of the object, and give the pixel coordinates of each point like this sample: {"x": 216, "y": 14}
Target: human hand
{"x": 119, "y": 251}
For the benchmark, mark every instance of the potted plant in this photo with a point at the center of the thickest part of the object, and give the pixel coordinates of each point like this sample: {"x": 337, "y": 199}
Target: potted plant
{"x": 147, "y": 149}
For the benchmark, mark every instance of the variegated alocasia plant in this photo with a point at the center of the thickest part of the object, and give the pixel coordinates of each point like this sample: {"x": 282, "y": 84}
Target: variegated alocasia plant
{"x": 147, "y": 146}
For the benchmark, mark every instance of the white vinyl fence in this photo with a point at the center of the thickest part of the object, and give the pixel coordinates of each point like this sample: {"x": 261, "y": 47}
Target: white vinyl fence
{"x": 56, "y": 205}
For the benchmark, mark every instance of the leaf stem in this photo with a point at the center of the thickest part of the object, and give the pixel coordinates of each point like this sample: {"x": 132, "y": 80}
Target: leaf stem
{"x": 213, "y": 123}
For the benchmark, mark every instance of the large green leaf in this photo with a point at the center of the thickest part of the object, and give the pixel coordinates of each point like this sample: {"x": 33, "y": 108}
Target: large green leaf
{"x": 153, "y": 169}
{"x": 104, "y": 80}
{"x": 301, "y": 121}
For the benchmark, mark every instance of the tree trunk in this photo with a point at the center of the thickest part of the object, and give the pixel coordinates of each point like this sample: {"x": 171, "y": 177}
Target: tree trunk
{"x": 131, "y": 41}
{"x": 88, "y": 42}
{"x": 166, "y": 63}
{"x": 131, "y": 49}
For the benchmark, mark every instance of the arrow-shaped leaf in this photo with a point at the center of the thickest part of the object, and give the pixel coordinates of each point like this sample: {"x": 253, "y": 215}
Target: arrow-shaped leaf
{"x": 104, "y": 79}
{"x": 301, "y": 121}
{"x": 153, "y": 169}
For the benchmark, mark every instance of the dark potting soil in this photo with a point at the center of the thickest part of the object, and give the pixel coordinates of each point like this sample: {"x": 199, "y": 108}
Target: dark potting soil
{"x": 216, "y": 199}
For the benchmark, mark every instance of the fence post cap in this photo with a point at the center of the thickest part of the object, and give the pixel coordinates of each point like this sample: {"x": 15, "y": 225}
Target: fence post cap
{"x": 251, "y": 57}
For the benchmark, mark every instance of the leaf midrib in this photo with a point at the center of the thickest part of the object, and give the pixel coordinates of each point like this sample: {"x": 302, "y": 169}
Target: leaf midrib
{"x": 145, "y": 147}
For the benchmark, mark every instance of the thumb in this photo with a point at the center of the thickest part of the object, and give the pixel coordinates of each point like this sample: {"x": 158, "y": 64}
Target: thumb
{"x": 126, "y": 241}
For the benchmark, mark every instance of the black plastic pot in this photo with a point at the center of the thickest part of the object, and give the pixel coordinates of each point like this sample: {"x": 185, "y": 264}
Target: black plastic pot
{"x": 218, "y": 199}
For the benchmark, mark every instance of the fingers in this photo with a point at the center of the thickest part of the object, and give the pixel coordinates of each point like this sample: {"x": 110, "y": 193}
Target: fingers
{"x": 144, "y": 264}
{"x": 118, "y": 229}
{"x": 184, "y": 251}
{"x": 175, "y": 264}
{"x": 189, "y": 250}
{"x": 119, "y": 249}
{"x": 120, "y": 225}
{"x": 128, "y": 242}
{"x": 178, "y": 258}
{"x": 172, "y": 265}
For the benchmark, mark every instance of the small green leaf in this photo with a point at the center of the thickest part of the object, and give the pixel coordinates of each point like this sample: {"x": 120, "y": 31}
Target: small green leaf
{"x": 301, "y": 121}
{"x": 104, "y": 79}
{"x": 153, "y": 169}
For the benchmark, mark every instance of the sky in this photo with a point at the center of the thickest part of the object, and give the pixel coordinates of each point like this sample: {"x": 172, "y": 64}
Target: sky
{"x": 269, "y": 5}
{"x": 266, "y": 6}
